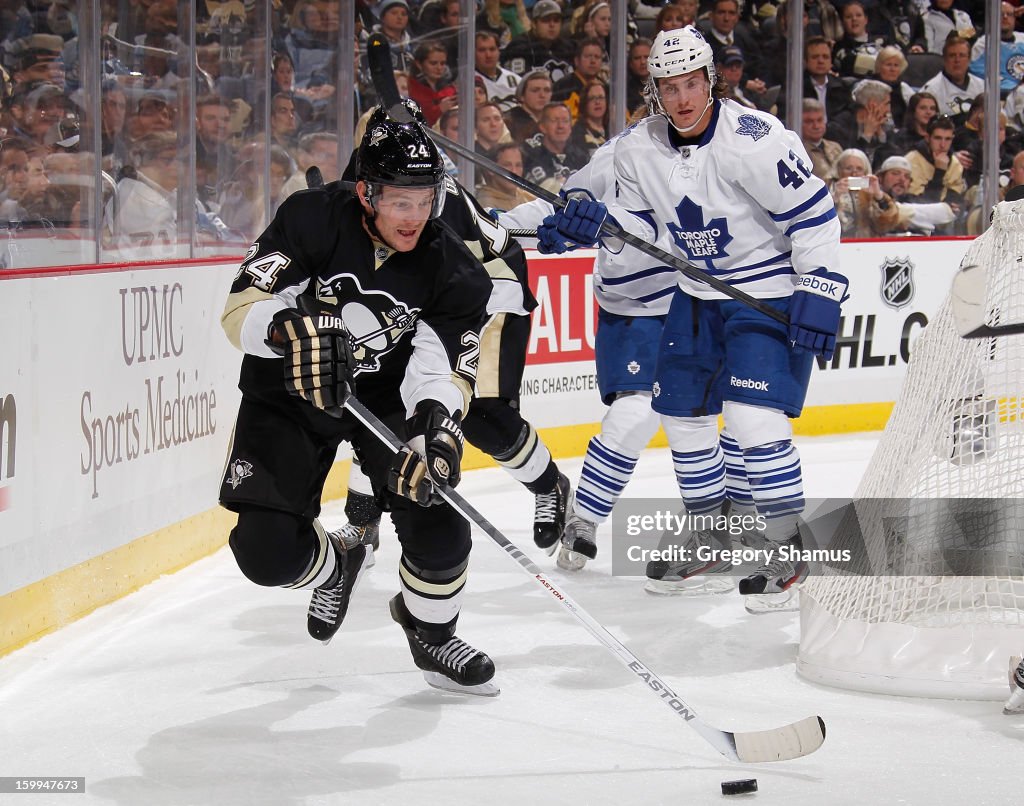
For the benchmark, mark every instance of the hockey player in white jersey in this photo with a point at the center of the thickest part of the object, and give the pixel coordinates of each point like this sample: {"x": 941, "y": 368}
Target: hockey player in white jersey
{"x": 633, "y": 293}
{"x": 735, "y": 191}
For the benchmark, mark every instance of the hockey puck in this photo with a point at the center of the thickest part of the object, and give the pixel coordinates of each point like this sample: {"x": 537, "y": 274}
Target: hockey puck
{"x": 739, "y": 787}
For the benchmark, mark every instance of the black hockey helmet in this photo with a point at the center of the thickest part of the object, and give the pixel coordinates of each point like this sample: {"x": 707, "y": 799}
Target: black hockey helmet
{"x": 399, "y": 155}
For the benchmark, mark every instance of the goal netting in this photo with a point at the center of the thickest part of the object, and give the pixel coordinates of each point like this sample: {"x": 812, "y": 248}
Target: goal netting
{"x": 933, "y": 604}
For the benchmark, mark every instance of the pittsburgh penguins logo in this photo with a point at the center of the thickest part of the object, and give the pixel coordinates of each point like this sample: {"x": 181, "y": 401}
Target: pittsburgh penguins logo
{"x": 375, "y": 320}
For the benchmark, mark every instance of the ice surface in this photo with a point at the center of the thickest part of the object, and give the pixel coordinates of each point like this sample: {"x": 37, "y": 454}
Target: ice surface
{"x": 205, "y": 689}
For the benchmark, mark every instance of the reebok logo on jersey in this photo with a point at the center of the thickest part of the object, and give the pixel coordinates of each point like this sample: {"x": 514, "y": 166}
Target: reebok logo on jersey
{"x": 748, "y": 383}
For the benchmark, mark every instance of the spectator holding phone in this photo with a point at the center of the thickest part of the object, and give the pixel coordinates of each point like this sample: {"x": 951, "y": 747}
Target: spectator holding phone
{"x": 863, "y": 209}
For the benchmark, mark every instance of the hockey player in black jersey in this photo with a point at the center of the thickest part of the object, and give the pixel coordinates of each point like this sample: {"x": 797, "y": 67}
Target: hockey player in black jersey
{"x": 494, "y": 423}
{"x": 367, "y": 294}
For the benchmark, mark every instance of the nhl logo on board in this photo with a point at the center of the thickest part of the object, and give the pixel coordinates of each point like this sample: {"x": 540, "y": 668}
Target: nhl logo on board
{"x": 897, "y": 282}
{"x": 632, "y": 368}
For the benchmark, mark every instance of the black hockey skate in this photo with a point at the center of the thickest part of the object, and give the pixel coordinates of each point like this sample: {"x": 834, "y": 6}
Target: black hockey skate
{"x": 693, "y": 572}
{"x": 578, "y": 544}
{"x": 549, "y": 514}
{"x": 451, "y": 665}
{"x": 329, "y": 604}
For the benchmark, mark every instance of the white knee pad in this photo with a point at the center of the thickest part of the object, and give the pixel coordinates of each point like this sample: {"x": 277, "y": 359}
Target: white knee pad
{"x": 689, "y": 434}
{"x": 751, "y": 426}
{"x": 629, "y": 424}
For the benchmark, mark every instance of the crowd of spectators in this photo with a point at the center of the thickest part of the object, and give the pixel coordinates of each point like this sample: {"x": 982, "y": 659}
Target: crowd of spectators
{"x": 892, "y": 106}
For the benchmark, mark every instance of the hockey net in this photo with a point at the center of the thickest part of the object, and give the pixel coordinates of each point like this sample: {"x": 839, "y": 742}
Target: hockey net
{"x": 936, "y": 607}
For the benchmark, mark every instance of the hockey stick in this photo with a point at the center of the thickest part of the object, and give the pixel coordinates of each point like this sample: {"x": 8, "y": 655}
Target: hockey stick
{"x": 378, "y": 56}
{"x": 777, "y": 744}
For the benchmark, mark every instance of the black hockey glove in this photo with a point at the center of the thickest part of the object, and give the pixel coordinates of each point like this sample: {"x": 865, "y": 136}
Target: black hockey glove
{"x": 433, "y": 455}
{"x": 314, "y": 343}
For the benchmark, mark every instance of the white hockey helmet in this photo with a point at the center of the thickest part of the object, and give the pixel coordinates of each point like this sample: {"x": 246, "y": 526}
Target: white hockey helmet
{"x": 674, "y": 53}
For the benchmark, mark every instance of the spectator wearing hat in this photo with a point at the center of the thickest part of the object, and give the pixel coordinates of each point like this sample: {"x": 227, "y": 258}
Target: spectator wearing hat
{"x": 731, "y": 70}
{"x": 500, "y": 83}
{"x": 393, "y": 22}
{"x": 824, "y": 153}
{"x": 543, "y": 46}
{"x": 533, "y": 93}
{"x": 36, "y": 107}
{"x": 37, "y": 58}
{"x": 151, "y": 113}
{"x": 894, "y": 178}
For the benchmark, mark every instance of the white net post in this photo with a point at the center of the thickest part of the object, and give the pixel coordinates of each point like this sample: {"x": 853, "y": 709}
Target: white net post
{"x": 951, "y": 454}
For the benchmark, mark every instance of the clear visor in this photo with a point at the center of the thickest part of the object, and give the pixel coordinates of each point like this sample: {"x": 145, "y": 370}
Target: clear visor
{"x": 407, "y": 203}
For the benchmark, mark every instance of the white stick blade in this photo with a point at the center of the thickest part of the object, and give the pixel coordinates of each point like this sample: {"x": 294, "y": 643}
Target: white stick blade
{"x": 968, "y": 299}
{"x": 781, "y": 744}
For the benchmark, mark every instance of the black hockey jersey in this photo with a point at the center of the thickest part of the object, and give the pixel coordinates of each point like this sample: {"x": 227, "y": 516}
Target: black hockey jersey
{"x": 414, "y": 318}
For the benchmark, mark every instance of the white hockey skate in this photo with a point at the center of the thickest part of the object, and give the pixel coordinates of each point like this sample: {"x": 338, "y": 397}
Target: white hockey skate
{"x": 578, "y": 544}
{"x": 1015, "y": 704}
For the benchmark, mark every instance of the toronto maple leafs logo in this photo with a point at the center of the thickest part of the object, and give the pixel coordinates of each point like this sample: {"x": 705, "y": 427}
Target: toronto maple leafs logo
{"x": 697, "y": 240}
{"x": 753, "y": 127}
{"x": 238, "y": 470}
{"x": 632, "y": 368}
{"x": 656, "y": 389}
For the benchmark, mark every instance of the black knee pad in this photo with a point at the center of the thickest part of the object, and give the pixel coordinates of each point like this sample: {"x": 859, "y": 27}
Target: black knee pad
{"x": 272, "y": 548}
{"x": 494, "y": 426}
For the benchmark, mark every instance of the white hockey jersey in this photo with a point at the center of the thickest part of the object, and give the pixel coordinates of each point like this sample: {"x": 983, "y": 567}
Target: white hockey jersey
{"x": 629, "y": 282}
{"x": 741, "y": 205}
